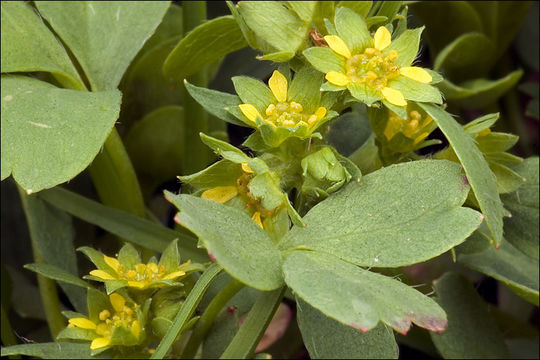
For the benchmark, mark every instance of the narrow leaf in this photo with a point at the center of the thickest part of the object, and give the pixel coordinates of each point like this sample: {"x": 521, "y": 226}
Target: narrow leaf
{"x": 58, "y": 274}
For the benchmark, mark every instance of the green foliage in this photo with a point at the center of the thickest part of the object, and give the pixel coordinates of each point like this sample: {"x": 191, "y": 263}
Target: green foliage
{"x": 337, "y": 198}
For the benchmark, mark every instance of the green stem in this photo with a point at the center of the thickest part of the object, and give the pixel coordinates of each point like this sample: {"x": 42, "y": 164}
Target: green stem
{"x": 8, "y": 338}
{"x": 47, "y": 287}
{"x": 186, "y": 310}
{"x": 246, "y": 339}
{"x": 197, "y": 154}
{"x": 208, "y": 317}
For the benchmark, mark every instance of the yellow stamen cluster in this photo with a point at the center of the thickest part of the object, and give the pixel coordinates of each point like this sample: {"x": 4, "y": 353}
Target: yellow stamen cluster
{"x": 413, "y": 126}
{"x": 372, "y": 68}
{"x": 124, "y": 316}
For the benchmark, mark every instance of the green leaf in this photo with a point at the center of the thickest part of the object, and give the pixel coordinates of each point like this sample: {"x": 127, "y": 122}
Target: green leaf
{"x": 129, "y": 256}
{"x": 204, "y": 45}
{"x": 356, "y": 297}
{"x": 406, "y": 46}
{"x": 140, "y": 231}
{"x": 476, "y": 94}
{"x": 507, "y": 179}
{"x": 154, "y": 143}
{"x": 481, "y": 178}
{"x": 501, "y": 264}
{"x": 170, "y": 258}
{"x": 324, "y": 59}
{"x": 221, "y": 173}
{"x": 51, "y": 232}
{"x": 305, "y": 89}
{"x": 496, "y": 142}
{"x": 228, "y": 151}
{"x": 399, "y": 215}
{"x": 254, "y": 92}
{"x": 118, "y": 31}
{"x": 240, "y": 246}
{"x": 352, "y": 29}
{"x": 471, "y": 331}
{"x": 186, "y": 311}
{"x": 58, "y": 274}
{"x": 416, "y": 91}
{"x": 364, "y": 93}
{"x": 326, "y": 338}
{"x": 304, "y": 9}
{"x": 389, "y": 9}
{"x": 278, "y": 56}
{"x": 216, "y": 102}
{"x": 54, "y": 350}
{"x": 360, "y": 7}
{"x": 28, "y": 45}
{"x": 470, "y": 55}
{"x": 144, "y": 86}
{"x": 49, "y": 135}
{"x": 522, "y": 228}
{"x": 252, "y": 330}
{"x": 274, "y": 23}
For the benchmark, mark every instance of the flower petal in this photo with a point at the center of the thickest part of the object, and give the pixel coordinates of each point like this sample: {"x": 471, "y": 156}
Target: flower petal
{"x": 136, "y": 328}
{"x": 136, "y": 284}
{"x": 173, "y": 275}
{"x": 117, "y": 301}
{"x": 320, "y": 113}
{"x": 257, "y": 218}
{"x": 250, "y": 111}
{"x": 99, "y": 343}
{"x": 337, "y": 78}
{"x": 278, "y": 85}
{"x": 246, "y": 168}
{"x": 102, "y": 275}
{"x": 112, "y": 262}
{"x": 382, "y": 38}
{"x": 338, "y": 46}
{"x": 221, "y": 194}
{"x": 394, "y": 97}
{"x": 83, "y": 323}
{"x": 416, "y": 73}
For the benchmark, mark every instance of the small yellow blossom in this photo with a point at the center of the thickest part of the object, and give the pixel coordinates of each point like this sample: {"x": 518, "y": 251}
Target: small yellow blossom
{"x": 124, "y": 316}
{"x": 374, "y": 67}
{"x": 282, "y": 112}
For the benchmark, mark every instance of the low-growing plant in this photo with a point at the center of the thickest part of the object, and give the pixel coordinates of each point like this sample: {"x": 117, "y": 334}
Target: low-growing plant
{"x": 286, "y": 179}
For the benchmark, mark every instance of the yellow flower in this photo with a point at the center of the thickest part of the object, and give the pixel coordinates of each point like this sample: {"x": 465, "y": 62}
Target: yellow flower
{"x": 222, "y": 194}
{"x": 140, "y": 276}
{"x": 123, "y": 316}
{"x": 374, "y": 67}
{"x": 282, "y": 112}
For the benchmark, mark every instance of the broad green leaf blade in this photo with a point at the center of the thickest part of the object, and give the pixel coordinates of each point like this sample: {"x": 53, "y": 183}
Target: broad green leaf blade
{"x": 326, "y": 338}
{"x": 137, "y": 230}
{"x": 205, "y": 45}
{"x": 237, "y": 242}
{"x": 246, "y": 339}
{"x": 522, "y": 228}
{"x": 54, "y": 350}
{"x": 471, "y": 332}
{"x": 274, "y": 23}
{"x": 52, "y": 233}
{"x": 104, "y": 36}
{"x": 479, "y": 175}
{"x": 188, "y": 308}
{"x": 508, "y": 265}
{"x": 49, "y": 135}
{"x": 28, "y": 45}
{"x": 155, "y": 146}
{"x": 58, "y": 274}
{"x": 356, "y": 297}
{"x": 478, "y": 93}
{"x": 399, "y": 215}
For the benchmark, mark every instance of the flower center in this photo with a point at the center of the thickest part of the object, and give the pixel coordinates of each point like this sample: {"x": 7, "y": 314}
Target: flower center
{"x": 142, "y": 272}
{"x": 288, "y": 114}
{"x": 125, "y": 318}
{"x": 372, "y": 68}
